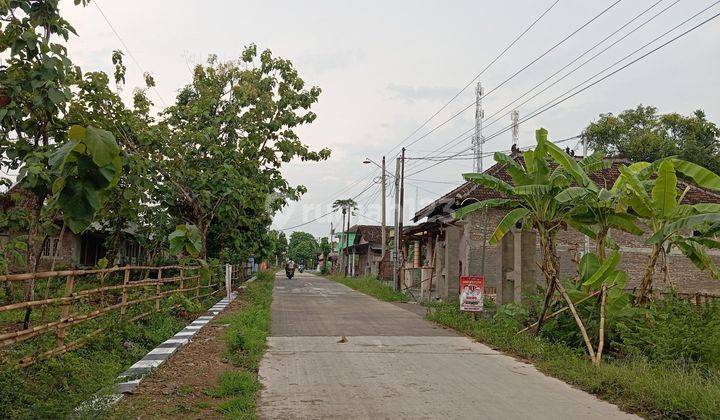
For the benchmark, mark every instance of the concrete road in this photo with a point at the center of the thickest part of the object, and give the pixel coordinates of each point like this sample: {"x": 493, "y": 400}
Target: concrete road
{"x": 395, "y": 365}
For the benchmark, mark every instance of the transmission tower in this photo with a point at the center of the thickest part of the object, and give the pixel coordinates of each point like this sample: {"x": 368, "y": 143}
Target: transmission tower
{"x": 478, "y": 138}
{"x": 515, "y": 117}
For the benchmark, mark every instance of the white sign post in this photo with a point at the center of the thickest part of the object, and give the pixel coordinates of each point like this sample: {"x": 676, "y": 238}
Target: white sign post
{"x": 228, "y": 279}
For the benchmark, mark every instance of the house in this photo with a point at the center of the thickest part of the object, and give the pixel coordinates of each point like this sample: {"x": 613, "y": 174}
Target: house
{"x": 364, "y": 250}
{"x": 510, "y": 267}
{"x": 76, "y": 250}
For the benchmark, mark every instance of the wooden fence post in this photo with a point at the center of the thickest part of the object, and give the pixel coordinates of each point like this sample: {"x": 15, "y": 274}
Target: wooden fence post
{"x": 197, "y": 284}
{"x": 123, "y": 301}
{"x": 158, "y": 290}
{"x": 182, "y": 280}
{"x": 65, "y": 311}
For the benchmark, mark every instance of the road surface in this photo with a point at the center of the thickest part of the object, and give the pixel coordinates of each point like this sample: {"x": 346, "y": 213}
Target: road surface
{"x": 395, "y": 365}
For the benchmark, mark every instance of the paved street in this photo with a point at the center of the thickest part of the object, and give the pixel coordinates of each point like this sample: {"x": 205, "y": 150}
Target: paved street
{"x": 395, "y": 365}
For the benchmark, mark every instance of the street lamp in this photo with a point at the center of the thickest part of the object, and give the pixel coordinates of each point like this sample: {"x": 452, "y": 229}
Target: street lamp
{"x": 383, "y": 171}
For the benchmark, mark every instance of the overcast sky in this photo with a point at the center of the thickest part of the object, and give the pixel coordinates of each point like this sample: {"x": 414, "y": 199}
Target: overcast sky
{"x": 385, "y": 67}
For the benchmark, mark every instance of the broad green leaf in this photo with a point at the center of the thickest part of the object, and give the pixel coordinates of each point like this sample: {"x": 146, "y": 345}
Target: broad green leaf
{"x": 583, "y": 228}
{"x": 695, "y": 253}
{"x": 605, "y": 268}
{"x": 589, "y": 264}
{"x": 513, "y": 168}
{"x": 490, "y": 182}
{"x": 471, "y": 208}
{"x": 101, "y": 146}
{"x": 684, "y": 223}
{"x": 58, "y": 156}
{"x": 533, "y": 189}
{"x": 569, "y": 163}
{"x": 572, "y": 194}
{"x": 594, "y": 162}
{"x": 507, "y": 223}
{"x": 640, "y": 200}
{"x": 664, "y": 192}
{"x": 706, "y": 207}
{"x": 702, "y": 177}
{"x": 624, "y": 222}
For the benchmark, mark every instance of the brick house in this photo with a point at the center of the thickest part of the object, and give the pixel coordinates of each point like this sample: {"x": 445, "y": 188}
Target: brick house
{"x": 77, "y": 250}
{"x": 510, "y": 267}
{"x": 365, "y": 250}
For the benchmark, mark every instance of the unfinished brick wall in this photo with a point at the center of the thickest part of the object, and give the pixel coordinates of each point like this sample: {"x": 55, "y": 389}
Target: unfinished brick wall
{"x": 634, "y": 253}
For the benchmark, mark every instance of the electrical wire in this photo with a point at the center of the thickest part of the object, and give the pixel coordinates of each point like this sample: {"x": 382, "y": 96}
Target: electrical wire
{"x": 127, "y": 50}
{"x": 517, "y": 38}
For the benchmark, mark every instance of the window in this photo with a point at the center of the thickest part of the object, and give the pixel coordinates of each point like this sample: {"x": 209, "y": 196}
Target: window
{"x": 50, "y": 247}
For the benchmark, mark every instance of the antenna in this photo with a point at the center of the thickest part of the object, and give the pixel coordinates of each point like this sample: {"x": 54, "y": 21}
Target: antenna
{"x": 478, "y": 139}
{"x": 515, "y": 117}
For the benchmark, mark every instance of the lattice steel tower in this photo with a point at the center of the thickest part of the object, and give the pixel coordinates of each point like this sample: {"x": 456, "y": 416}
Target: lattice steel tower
{"x": 515, "y": 118}
{"x": 478, "y": 138}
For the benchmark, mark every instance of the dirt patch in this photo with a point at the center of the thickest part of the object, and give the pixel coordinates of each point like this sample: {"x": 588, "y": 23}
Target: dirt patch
{"x": 178, "y": 388}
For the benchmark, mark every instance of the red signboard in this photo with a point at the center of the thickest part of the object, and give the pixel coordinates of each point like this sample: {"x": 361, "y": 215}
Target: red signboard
{"x": 471, "y": 293}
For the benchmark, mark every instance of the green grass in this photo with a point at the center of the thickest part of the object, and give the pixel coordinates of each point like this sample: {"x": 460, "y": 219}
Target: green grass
{"x": 653, "y": 390}
{"x": 246, "y": 339}
{"x": 371, "y": 286}
{"x": 55, "y": 388}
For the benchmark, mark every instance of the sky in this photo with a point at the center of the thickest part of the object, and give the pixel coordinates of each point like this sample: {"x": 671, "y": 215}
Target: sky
{"x": 386, "y": 67}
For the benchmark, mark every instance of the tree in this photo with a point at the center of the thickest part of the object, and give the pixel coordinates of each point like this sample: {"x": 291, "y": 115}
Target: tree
{"x": 348, "y": 207}
{"x": 643, "y": 135}
{"x": 302, "y": 247}
{"x": 532, "y": 202}
{"x": 227, "y": 137}
{"x": 652, "y": 191}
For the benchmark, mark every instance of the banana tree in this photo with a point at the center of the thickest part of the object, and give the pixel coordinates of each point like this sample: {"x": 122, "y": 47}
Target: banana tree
{"x": 531, "y": 198}
{"x": 653, "y": 194}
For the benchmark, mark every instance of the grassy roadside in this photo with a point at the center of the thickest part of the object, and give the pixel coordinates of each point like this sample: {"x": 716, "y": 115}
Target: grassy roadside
{"x": 653, "y": 390}
{"x": 246, "y": 340}
{"x": 55, "y": 388}
{"x": 370, "y": 286}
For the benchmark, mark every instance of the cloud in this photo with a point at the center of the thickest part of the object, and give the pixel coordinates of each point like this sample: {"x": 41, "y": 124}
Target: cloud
{"x": 411, "y": 94}
{"x": 320, "y": 62}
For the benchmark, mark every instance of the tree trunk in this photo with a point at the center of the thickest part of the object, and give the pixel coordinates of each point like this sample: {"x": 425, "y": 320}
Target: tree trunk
{"x": 33, "y": 258}
{"x": 550, "y": 267}
{"x": 646, "y": 283}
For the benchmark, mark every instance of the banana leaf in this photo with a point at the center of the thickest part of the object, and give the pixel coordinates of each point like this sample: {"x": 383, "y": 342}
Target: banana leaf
{"x": 664, "y": 191}
{"x": 507, "y": 223}
{"x": 684, "y": 223}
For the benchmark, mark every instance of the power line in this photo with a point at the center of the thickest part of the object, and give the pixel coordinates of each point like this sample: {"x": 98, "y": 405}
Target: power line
{"x": 517, "y": 38}
{"x": 127, "y": 50}
{"x": 557, "y": 44}
{"x": 540, "y": 110}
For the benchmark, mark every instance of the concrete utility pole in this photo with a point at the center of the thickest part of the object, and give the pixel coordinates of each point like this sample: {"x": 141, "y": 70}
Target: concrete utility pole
{"x": 515, "y": 118}
{"x": 397, "y": 219}
{"x": 587, "y": 238}
{"x": 478, "y": 139}
{"x": 401, "y": 249}
{"x": 384, "y": 233}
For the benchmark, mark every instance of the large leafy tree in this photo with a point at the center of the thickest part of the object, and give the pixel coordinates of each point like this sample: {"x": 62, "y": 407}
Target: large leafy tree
{"x": 302, "y": 247}
{"x": 226, "y": 139}
{"x": 642, "y": 134}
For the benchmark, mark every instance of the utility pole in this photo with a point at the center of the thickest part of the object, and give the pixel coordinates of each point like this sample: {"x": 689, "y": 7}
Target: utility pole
{"x": 347, "y": 241}
{"x": 585, "y": 151}
{"x": 478, "y": 139}
{"x": 401, "y": 249}
{"x": 515, "y": 118}
{"x": 397, "y": 220}
{"x": 384, "y": 233}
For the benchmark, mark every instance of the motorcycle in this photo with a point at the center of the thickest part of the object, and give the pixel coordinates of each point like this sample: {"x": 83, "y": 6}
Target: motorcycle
{"x": 289, "y": 273}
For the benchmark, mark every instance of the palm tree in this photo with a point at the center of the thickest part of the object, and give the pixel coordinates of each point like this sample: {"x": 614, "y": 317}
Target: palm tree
{"x": 348, "y": 206}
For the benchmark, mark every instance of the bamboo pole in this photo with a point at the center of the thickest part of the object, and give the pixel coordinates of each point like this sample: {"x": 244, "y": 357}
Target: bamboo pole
{"x": 65, "y": 312}
{"x": 124, "y": 297}
{"x": 158, "y": 289}
{"x": 601, "y": 334}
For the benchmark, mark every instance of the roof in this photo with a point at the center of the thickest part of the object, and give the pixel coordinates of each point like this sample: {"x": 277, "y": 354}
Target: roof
{"x": 370, "y": 233}
{"x": 440, "y": 208}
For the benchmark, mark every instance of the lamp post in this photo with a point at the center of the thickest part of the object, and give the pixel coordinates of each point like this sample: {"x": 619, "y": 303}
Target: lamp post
{"x": 382, "y": 194}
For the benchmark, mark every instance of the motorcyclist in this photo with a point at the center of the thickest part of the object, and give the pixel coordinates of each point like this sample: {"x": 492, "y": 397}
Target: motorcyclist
{"x": 290, "y": 268}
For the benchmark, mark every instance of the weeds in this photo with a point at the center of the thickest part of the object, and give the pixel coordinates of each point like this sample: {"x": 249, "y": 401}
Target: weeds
{"x": 657, "y": 389}
{"x": 371, "y": 286}
{"x": 246, "y": 338}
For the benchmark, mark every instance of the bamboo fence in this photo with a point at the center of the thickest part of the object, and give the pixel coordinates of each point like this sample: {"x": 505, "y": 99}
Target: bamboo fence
{"x": 72, "y": 298}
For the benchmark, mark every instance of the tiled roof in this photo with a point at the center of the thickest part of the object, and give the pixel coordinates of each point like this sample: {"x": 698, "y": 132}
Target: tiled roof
{"x": 604, "y": 178}
{"x": 370, "y": 233}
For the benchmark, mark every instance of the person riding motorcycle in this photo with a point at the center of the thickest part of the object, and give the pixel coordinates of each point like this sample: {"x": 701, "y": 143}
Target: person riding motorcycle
{"x": 290, "y": 269}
